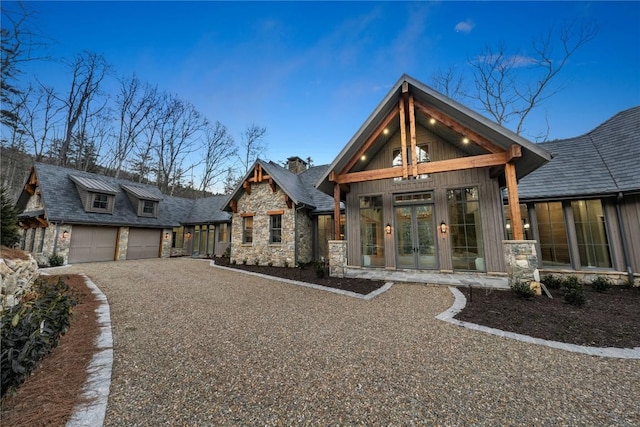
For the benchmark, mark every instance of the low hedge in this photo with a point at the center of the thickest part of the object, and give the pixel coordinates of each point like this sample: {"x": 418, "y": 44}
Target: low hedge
{"x": 32, "y": 328}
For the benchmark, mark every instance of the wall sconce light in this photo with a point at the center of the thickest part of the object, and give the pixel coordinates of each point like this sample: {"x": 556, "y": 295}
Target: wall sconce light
{"x": 188, "y": 235}
{"x": 443, "y": 227}
{"x": 166, "y": 236}
{"x": 65, "y": 234}
{"x": 387, "y": 228}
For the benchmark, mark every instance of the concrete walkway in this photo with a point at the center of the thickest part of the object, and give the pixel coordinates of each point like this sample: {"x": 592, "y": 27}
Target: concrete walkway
{"x": 431, "y": 277}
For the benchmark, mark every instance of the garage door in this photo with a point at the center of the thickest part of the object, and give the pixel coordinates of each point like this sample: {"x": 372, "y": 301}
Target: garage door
{"x": 143, "y": 243}
{"x": 92, "y": 244}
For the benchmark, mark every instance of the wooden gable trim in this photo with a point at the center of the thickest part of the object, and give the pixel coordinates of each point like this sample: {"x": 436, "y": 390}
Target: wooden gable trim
{"x": 457, "y": 127}
{"x": 412, "y": 132}
{"x": 403, "y": 140}
{"x": 247, "y": 187}
{"x": 461, "y": 163}
{"x": 234, "y": 206}
{"x": 272, "y": 184}
{"x": 288, "y": 201}
{"x": 363, "y": 149}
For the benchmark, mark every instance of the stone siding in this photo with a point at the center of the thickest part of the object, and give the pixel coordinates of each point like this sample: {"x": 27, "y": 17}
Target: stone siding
{"x": 64, "y": 242}
{"x": 165, "y": 251}
{"x": 617, "y": 277}
{"x": 262, "y": 200}
{"x": 122, "y": 244}
{"x": 521, "y": 260}
{"x": 337, "y": 258}
{"x": 16, "y": 278}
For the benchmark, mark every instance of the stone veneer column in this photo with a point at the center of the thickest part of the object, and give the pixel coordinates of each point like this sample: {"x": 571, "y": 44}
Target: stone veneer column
{"x": 167, "y": 235}
{"x": 521, "y": 260}
{"x": 64, "y": 241}
{"x": 123, "y": 242}
{"x": 337, "y": 258}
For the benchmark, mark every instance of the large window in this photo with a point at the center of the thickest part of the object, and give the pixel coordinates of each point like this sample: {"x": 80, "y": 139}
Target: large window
{"x": 371, "y": 235}
{"x": 593, "y": 245}
{"x": 552, "y": 229}
{"x": 222, "y": 232}
{"x": 465, "y": 228}
{"x": 524, "y": 221}
{"x": 247, "y": 229}
{"x": 178, "y": 237}
{"x": 275, "y": 229}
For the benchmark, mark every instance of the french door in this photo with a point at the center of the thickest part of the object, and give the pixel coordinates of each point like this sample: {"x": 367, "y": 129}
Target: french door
{"x": 415, "y": 237}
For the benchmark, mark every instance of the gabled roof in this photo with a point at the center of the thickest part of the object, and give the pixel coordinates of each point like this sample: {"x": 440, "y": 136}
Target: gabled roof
{"x": 603, "y": 161}
{"x": 62, "y": 202}
{"x": 533, "y": 156}
{"x": 299, "y": 187}
{"x": 208, "y": 209}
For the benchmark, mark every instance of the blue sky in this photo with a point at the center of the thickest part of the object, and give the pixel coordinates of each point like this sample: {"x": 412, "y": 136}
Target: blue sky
{"x": 311, "y": 73}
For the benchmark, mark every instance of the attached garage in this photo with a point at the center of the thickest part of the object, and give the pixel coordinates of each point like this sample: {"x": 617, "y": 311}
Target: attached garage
{"x": 144, "y": 243}
{"x": 89, "y": 244}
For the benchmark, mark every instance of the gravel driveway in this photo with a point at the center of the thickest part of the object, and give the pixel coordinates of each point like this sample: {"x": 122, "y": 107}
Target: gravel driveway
{"x": 200, "y": 346}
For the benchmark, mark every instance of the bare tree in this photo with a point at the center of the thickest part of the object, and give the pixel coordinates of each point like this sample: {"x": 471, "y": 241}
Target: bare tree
{"x": 88, "y": 70}
{"x": 220, "y": 146}
{"x": 40, "y": 118}
{"x": 135, "y": 103}
{"x": 450, "y": 82}
{"x": 252, "y": 145}
{"x": 179, "y": 126}
{"x": 510, "y": 86}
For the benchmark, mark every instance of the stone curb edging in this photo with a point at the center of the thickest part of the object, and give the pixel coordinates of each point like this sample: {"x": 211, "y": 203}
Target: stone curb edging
{"x": 96, "y": 388}
{"x": 461, "y": 301}
{"x": 367, "y": 297}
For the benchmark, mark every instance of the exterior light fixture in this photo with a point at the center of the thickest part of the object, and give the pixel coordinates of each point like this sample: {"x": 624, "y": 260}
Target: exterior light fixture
{"x": 65, "y": 234}
{"x": 432, "y": 121}
{"x": 526, "y": 226}
{"x": 444, "y": 227}
{"x": 166, "y": 236}
{"x": 188, "y": 235}
{"x": 508, "y": 226}
{"x": 465, "y": 140}
{"x": 385, "y": 131}
{"x": 387, "y": 228}
{"x": 363, "y": 158}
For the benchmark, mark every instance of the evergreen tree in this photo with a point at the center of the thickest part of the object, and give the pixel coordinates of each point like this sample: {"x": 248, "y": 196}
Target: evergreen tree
{"x": 10, "y": 232}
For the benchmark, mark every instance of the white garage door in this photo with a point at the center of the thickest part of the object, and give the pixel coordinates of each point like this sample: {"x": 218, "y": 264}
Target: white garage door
{"x": 143, "y": 243}
{"x": 90, "y": 244}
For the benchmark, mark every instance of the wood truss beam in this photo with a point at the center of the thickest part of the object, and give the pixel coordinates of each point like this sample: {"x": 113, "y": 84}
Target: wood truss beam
{"x": 363, "y": 149}
{"x": 336, "y": 211}
{"x": 403, "y": 140}
{"x": 460, "y": 163}
{"x": 288, "y": 201}
{"x": 457, "y": 127}
{"x": 234, "y": 206}
{"x": 514, "y": 201}
{"x": 412, "y": 132}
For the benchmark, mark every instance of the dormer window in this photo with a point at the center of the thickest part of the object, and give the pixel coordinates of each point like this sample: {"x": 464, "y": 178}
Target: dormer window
{"x": 148, "y": 207}
{"x": 100, "y": 202}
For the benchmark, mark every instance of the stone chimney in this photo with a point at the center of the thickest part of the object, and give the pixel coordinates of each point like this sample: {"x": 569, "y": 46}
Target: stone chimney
{"x": 296, "y": 164}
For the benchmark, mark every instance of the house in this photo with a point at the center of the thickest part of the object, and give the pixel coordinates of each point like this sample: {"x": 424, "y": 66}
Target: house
{"x": 421, "y": 181}
{"x": 87, "y": 217}
{"x": 583, "y": 207}
{"x": 278, "y": 215}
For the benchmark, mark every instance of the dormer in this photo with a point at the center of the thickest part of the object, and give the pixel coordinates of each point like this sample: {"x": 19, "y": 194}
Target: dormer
{"x": 96, "y": 196}
{"x": 145, "y": 202}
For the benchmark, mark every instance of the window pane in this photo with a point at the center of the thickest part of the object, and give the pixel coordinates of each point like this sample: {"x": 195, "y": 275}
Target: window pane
{"x": 553, "y": 234}
{"x": 372, "y": 244}
{"x": 222, "y": 233}
{"x": 247, "y": 229}
{"x": 275, "y": 232}
{"x": 465, "y": 229}
{"x": 591, "y": 233}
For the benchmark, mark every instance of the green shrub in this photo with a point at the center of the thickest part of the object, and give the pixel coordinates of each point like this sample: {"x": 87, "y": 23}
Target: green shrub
{"x": 270, "y": 263}
{"x": 601, "y": 284}
{"x": 573, "y": 291}
{"x": 244, "y": 261}
{"x": 56, "y": 260}
{"x": 257, "y": 261}
{"x": 552, "y": 282}
{"x": 321, "y": 270}
{"x": 522, "y": 290}
{"x": 286, "y": 264}
{"x": 227, "y": 252}
{"x": 32, "y": 328}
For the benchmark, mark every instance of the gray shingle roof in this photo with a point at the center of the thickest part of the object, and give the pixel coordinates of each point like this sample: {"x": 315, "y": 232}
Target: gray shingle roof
{"x": 62, "y": 202}
{"x": 601, "y": 162}
{"x": 299, "y": 187}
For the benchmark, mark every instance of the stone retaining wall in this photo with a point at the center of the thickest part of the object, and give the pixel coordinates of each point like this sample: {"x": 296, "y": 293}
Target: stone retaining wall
{"x": 17, "y": 277}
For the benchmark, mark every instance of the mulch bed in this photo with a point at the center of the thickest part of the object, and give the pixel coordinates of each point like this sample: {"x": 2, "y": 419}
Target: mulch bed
{"x": 307, "y": 273}
{"x": 48, "y": 396}
{"x": 608, "y": 319}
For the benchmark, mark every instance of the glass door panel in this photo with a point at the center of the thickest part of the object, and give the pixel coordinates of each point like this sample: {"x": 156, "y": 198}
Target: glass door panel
{"x": 415, "y": 237}
{"x": 426, "y": 239}
{"x": 404, "y": 238}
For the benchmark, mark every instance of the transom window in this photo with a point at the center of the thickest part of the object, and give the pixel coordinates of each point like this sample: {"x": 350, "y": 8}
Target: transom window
{"x": 100, "y": 202}
{"x": 421, "y": 156}
{"x": 275, "y": 229}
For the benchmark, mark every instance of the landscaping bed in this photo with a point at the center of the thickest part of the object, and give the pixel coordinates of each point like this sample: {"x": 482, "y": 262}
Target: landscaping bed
{"x": 607, "y": 319}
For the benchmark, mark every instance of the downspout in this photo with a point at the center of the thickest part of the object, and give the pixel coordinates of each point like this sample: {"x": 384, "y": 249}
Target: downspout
{"x": 625, "y": 250}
